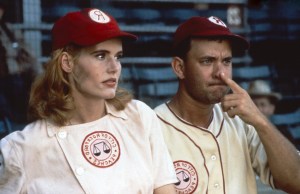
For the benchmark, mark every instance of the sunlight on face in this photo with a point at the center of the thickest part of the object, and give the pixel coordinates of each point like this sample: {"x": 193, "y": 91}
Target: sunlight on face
{"x": 97, "y": 70}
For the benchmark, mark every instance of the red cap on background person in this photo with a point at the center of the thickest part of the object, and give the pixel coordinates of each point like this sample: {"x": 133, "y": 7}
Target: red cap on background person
{"x": 207, "y": 27}
{"x": 86, "y": 27}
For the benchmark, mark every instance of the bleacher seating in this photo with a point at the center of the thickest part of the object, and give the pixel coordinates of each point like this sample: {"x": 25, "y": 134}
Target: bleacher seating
{"x": 52, "y": 13}
{"x": 127, "y": 79}
{"x": 243, "y": 75}
{"x": 5, "y": 126}
{"x": 118, "y": 13}
{"x": 155, "y": 83}
{"x": 294, "y": 132}
{"x": 142, "y": 16}
{"x": 176, "y": 16}
{"x": 289, "y": 125}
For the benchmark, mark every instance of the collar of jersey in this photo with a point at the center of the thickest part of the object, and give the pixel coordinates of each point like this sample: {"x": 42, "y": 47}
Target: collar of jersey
{"x": 116, "y": 113}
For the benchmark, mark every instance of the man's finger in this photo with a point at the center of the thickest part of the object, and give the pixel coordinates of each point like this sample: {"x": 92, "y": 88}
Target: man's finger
{"x": 232, "y": 84}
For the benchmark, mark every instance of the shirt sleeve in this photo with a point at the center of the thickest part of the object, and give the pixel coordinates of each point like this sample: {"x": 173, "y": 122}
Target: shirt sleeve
{"x": 163, "y": 168}
{"x": 259, "y": 157}
{"x": 11, "y": 173}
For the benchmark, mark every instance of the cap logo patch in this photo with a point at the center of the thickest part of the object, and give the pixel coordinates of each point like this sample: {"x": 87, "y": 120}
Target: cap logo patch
{"x": 101, "y": 149}
{"x": 217, "y": 21}
{"x": 187, "y": 177}
{"x": 98, "y": 16}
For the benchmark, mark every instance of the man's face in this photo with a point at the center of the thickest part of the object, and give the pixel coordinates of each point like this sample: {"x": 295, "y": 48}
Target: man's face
{"x": 205, "y": 61}
{"x": 264, "y": 104}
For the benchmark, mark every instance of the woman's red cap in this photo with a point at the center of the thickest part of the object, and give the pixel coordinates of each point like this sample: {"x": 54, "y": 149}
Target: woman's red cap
{"x": 86, "y": 27}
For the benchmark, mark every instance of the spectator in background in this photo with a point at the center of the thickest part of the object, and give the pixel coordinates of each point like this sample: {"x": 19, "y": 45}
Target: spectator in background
{"x": 264, "y": 98}
{"x": 17, "y": 70}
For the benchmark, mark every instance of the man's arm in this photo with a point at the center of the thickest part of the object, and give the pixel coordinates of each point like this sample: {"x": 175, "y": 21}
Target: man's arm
{"x": 166, "y": 189}
{"x": 283, "y": 157}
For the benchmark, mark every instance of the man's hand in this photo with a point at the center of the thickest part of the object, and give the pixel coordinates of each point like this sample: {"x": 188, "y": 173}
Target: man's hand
{"x": 240, "y": 103}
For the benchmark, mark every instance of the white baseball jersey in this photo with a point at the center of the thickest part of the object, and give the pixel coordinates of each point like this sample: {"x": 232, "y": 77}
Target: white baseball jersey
{"x": 123, "y": 152}
{"x": 218, "y": 160}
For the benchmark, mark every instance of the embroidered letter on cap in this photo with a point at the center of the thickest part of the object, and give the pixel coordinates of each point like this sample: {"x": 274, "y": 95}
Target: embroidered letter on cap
{"x": 98, "y": 16}
{"x": 217, "y": 21}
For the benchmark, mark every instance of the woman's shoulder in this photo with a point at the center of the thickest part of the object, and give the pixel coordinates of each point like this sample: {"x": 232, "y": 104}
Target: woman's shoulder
{"x": 28, "y": 133}
{"x": 138, "y": 108}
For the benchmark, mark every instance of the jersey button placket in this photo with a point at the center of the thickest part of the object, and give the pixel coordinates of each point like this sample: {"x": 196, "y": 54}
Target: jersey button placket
{"x": 79, "y": 171}
{"x": 213, "y": 157}
{"x": 216, "y": 186}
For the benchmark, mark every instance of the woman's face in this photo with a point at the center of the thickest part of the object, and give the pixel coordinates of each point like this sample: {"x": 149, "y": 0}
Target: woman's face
{"x": 96, "y": 71}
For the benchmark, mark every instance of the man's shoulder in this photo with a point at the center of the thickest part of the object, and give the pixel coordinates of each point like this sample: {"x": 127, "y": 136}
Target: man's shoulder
{"x": 162, "y": 108}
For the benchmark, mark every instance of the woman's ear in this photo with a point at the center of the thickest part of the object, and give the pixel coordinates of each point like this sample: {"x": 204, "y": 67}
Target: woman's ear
{"x": 66, "y": 62}
{"x": 178, "y": 67}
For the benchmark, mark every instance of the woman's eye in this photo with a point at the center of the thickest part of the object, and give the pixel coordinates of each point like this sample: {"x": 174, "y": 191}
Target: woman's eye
{"x": 101, "y": 56}
{"x": 119, "y": 57}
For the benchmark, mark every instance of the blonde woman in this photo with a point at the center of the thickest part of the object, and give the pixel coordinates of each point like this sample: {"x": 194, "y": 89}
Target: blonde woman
{"x": 87, "y": 136}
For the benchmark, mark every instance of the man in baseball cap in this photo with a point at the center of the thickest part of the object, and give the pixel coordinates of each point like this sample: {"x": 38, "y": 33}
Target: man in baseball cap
{"x": 217, "y": 137}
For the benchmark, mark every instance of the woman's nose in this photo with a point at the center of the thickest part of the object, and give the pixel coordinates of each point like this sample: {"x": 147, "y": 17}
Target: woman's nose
{"x": 114, "y": 65}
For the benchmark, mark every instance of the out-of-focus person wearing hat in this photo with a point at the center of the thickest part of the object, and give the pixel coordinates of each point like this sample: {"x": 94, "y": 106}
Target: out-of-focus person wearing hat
{"x": 264, "y": 98}
{"x": 217, "y": 137}
{"x": 87, "y": 135}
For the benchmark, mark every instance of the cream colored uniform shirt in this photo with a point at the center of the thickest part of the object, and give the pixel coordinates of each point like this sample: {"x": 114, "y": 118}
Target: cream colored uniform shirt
{"x": 121, "y": 153}
{"x": 218, "y": 160}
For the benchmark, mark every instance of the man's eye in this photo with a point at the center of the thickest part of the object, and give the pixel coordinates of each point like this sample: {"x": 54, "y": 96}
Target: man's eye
{"x": 228, "y": 61}
{"x": 206, "y": 61}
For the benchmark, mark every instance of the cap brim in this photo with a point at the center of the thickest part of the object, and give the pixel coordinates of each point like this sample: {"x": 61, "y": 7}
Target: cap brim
{"x": 238, "y": 41}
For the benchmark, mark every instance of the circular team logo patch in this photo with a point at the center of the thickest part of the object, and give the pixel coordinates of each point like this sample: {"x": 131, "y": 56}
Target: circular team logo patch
{"x": 217, "y": 21}
{"x": 187, "y": 177}
{"x": 101, "y": 149}
{"x": 99, "y": 16}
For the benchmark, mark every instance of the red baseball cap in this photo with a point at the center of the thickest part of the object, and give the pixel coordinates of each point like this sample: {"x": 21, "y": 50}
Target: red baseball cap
{"x": 207, "y": 27}
{"x": 86, "y": 27}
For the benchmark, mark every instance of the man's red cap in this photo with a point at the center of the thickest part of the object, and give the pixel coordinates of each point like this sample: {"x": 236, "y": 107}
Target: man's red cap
{"x": 207, "y": 27}
{"x": 86, "y": 27}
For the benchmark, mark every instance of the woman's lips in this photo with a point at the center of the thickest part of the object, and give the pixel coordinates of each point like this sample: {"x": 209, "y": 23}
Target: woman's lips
{"x": 110, "y": 82}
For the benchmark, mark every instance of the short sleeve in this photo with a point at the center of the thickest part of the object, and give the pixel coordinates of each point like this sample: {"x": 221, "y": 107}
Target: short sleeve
{"x": 259, "y": 157}
{"x": 163, "y": 168}
{"x": 11, "y": 176}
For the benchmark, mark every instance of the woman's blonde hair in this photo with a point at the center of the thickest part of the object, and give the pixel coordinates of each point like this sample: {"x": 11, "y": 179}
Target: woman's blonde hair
{"x": 50, "y": 96}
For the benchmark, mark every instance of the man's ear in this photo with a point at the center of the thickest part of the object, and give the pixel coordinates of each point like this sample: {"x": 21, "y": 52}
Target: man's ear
{"x": 178, "y": 67}
{"x": 66, "y": 62}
